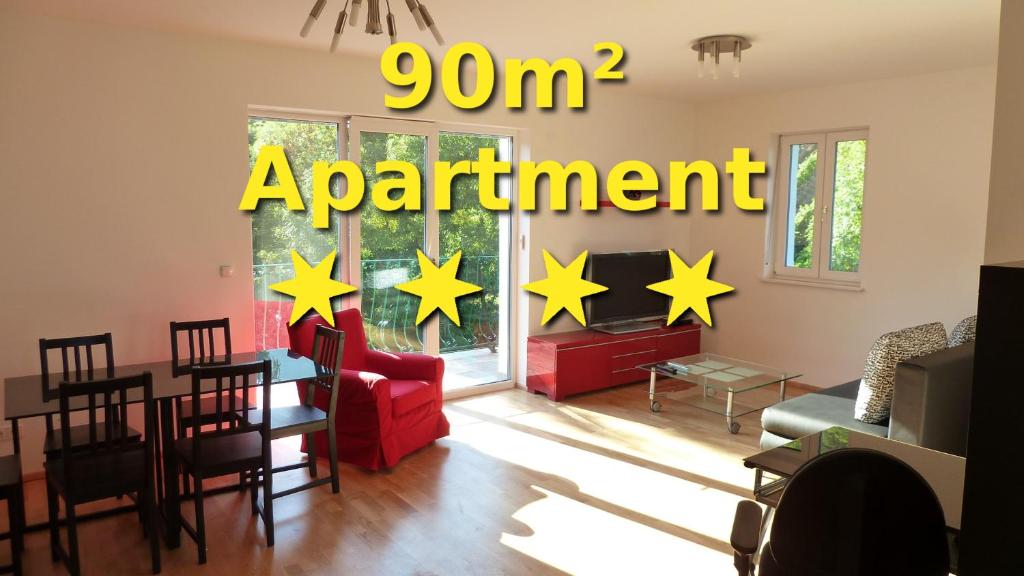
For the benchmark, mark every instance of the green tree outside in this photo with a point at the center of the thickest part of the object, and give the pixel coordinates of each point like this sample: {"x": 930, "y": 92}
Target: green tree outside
{"x": 847, "y": 209}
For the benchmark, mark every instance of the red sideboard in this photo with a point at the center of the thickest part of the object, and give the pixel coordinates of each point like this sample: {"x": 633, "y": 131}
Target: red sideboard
{"x": 567, "y": 363}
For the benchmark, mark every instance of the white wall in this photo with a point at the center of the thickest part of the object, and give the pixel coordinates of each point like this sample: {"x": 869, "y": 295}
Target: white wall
{"x": 924, "y": 219}
{"x": 1004, "y": 235}
{"x": 125, "y": 157}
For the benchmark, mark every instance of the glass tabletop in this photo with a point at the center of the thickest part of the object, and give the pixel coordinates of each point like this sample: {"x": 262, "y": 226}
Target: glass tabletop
{"x": 943, "y": 472}
{"x": 27, "y": 396}
{"x": 718, "y": 373}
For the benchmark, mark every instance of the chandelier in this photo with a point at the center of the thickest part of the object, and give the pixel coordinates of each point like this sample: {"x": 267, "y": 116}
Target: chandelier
{"x": 713, "y": 46}
{"x": 373, "y": 23}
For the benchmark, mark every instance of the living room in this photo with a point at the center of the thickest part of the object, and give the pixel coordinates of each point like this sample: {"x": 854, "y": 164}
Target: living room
{"x": 544, "y": 410}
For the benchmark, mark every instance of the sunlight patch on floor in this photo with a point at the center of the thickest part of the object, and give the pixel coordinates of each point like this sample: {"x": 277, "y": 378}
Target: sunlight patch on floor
{"x": 654, "y": 438}
{"x": 662, "y": 502}
{"x": 660, "y": 444}
{"x": 581, "y": 539}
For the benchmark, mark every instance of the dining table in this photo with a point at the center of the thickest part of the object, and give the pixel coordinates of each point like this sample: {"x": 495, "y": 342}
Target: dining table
{"x": 33, "y": 396}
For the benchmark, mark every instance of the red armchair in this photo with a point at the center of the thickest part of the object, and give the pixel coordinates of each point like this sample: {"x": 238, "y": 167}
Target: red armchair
{"x": 389, "y": 403}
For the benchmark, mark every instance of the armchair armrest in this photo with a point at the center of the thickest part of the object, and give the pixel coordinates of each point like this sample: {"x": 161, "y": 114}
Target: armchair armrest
{"x": 360, "y": 388}
{"x": 746, "y": 535}
{"x": 932, "y": 400}
{"x": 406, "y": 366}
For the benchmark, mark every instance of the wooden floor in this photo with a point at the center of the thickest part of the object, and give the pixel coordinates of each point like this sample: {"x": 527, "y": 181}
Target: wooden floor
{"x": 594, "y": 485}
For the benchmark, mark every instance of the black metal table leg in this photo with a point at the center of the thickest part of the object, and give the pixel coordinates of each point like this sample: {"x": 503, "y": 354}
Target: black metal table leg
{"x": 171, "y": 501}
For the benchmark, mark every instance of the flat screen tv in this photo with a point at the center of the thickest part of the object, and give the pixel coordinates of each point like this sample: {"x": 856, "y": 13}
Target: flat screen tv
{"x": 627, "y": 275}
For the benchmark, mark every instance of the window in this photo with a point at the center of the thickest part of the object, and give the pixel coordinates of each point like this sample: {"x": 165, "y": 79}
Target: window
{"x": 817, "y": 213}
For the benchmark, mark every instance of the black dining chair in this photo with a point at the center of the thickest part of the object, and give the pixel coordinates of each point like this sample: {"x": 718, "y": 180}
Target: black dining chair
{"x": 201, "y": 336}
{"x": 852, "y": 512}
{"x": 235, "y": 446}
{"x": 11, "y": 491}
{"x": 306, "y": 419}
{"x": 102, "y": 468}
{"x": 78, "y": 363}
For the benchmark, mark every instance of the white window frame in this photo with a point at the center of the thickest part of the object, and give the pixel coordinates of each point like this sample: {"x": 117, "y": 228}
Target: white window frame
{"x": 819, "y": 272}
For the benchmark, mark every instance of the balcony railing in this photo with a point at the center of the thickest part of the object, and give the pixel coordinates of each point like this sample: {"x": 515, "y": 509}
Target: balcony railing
{"x": 389, "y": 316}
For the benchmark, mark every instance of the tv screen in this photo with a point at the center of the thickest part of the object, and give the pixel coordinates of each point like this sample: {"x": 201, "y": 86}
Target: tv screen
{"x": 627, "y": 275}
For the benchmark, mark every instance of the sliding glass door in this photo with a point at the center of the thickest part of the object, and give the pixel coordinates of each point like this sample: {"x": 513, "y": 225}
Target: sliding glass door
{"x": 277, "y": 230}
{"x": 385, "y": 243}
{"x": 385, "y": 250}
{"x": 377, "y": 248}
{"x": 477, "y": 352}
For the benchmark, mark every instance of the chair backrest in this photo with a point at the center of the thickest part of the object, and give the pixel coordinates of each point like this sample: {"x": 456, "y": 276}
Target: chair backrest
{"x": 202, "y": 341}
{"x": 73, "y": 352}
{"x": 328, "y": 348}
{"x": 109, "y": 435}
{"x": 350, "y": 321}
{"x": 857, "y": 512}
{"x": 230, "y": 380}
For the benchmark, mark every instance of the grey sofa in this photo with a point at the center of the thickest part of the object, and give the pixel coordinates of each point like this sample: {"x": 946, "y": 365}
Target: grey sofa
{"x": 930, "y": 406}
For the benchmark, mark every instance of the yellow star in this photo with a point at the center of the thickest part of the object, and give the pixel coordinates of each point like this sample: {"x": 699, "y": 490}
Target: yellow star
{"x": 312, "y": 287}
{"x": 564, "y": 288}
{"x": 690, "y": 287}
{"x": 438, "y": 288}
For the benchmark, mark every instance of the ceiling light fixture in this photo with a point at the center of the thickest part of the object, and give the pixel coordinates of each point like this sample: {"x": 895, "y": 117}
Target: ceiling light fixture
{"x": 713, "y": 46}
{"x": 373, "y": 19}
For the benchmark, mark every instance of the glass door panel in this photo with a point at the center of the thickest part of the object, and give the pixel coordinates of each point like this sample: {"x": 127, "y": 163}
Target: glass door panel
{"x": 277, "y": 230}
{"x": 388, "y": 242}
{"x": 477, "y": 352}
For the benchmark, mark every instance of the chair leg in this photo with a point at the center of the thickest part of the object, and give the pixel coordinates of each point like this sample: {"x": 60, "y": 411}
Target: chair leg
{"x": 154, "y": 527}
{"x": 53, "y": 507}
{"x": 332, "y": 447}
{"x": 72, "y": 526}
{"x": 186, "y": 490}
{"x": 15, "y": 529}
{"x": 19, "y": 497}
{"x": 311, "y": 445}
{"x": 268, "y": 498}
{"x": 200, "y": 521}
{"x": 254, "y": 490}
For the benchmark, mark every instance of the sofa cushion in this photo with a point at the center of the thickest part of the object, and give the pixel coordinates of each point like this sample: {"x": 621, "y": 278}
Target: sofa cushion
{"x": 407, "y": 395}
{"x": 963, "y": 332}
{"x": 812, "y": 413}
{"x": 874, "y": 398}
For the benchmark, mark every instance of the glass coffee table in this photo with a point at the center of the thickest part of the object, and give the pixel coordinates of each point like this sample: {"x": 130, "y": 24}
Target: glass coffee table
{"x": 718, "y": 380}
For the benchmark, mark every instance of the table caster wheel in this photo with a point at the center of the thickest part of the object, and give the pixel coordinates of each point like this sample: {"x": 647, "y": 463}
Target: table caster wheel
{"x": 734, "y": 428}
{"x": 655, "y": 406}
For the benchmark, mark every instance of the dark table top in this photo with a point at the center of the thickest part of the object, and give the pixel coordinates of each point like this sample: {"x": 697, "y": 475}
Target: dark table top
{"x": 25, "y": 396}
{"x": 943, "y": 472}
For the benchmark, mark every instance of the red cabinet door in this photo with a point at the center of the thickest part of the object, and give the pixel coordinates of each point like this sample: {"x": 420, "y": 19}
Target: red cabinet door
{"x": 678, "y": 344}
{"x": 581, "y": 370}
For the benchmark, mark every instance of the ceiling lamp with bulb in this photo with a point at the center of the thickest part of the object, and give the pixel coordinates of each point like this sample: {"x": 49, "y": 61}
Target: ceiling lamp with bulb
{"x": 373, "y": 23}
{"x": 712, "y": 47}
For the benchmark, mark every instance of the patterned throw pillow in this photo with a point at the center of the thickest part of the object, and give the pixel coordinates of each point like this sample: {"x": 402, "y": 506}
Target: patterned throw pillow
{"x": 874, "y": 398}
{"x": 964, "y": 331}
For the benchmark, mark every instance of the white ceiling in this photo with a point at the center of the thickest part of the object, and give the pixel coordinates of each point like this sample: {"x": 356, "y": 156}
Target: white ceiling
{"x": 797, "y": 43}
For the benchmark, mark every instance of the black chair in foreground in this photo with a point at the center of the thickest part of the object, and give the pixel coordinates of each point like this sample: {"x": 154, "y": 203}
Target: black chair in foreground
{"x": 236, "y": 445}
{"x": 108, "y": 465}
{"x": 11, "y": 491}
{"x": 201, "y": 336}
{"x": 307, "y": 419}
{"x": 851, "y": 512}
